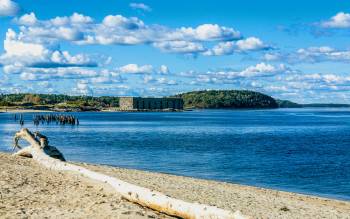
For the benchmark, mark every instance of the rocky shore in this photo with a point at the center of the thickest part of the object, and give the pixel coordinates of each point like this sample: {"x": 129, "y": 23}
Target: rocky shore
{"x": 28, "y": 190}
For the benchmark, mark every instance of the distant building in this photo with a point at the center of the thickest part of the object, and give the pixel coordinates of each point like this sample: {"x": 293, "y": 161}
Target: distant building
{"x": 140, "y": 103}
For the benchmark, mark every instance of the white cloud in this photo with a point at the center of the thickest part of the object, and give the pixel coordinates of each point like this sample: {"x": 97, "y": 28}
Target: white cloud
{"x": 166, "y": 81}
{"x": 317, "y": 54}
{"x": 120, "y": 30}
{"x": 8, "y": 8}
{"x": 340, "y": 20}
{"x": 149, "y": 79}
{"x": 207, "y": 32}
{"x": 44, "y": 74}
{"x": 107, "y": 77}
{"x": 33, "y": 54}
{"x": 180, "y": 47}
{"x": 83, "y": 88}
{"x": 272, "y": 56}
{"x": 222, "y": 48}
{"x": 117, "y": 21}
{"x": 14, "y": 47}
{"x": 244, "y": 45}
{"x": 43, "y": 34}
{"x": 28, "y": 76}
{"x": 141, "y": 6}
{"x": 317, "y": 78}
{"x": 262, "y": 69}
{"x": 311, "y": 54}
{"x": 251, "y": 43}
{"x": 44, "y": 84}
{"x": 136, "y": 69}
{"x": 204, "y": 33}
{"x": 28, "y": 19}
{"x": 164, "y": 69}
{"x": 77, "y": 18}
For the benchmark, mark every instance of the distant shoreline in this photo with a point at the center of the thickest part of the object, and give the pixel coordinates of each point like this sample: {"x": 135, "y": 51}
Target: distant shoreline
{"x": 195, "y": 100}
{"x": 24, "y": 111}
{"x": 138, "y": 111}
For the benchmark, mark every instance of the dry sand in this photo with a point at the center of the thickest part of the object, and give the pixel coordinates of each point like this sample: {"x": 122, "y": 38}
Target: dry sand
{"x": 29, "y": 190}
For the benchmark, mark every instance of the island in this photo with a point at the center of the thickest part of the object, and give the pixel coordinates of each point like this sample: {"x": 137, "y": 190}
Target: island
{"x": 226, "y": 99}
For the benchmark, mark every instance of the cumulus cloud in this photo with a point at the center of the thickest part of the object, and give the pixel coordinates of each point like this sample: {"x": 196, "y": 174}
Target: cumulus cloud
{"x": 60, "y": 28}
{"x": 231, "y": 47}
{"x": 325, "y": 53}
{"x": 340, "y": 20}
{"x": 28, "y": 76}
{"x": 149, "y": 79}
{"x": 117, "y": 21}
{"x": 81, "y": 81}
{"x": 83, "y": 88}
{"x": 164, "y": 69}
{"x": 130, "y": 31}
{"x": 228, "y": 76}
{"x": 120, "y": 30}
{"x": 311, "y": 86}
{"x": 8, "y": 8}
{"x": 317, "y": 78}
{"x": 180, "y": 47}
{"x": 207, "y": 32}
{"x": 31, "y": 54}
{"x": 166, "y": 81}
{"x": 40, "y": 74}
{"x": 280, "y": 82}
{"x": 262, "y": 69}
{"x": 311, "y": 55}
{"x": 27, "y": 19}
{"x": 107, "y": 77}
{"x": 136, "y": 69}
{"x": 140, "y": 6}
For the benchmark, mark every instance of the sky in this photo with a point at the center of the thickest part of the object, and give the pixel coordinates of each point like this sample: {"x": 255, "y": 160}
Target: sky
{"x": 295, "y": 50}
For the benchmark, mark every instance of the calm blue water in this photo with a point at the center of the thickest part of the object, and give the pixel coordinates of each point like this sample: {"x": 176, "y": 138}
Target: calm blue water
{"x": 302, "y": 150}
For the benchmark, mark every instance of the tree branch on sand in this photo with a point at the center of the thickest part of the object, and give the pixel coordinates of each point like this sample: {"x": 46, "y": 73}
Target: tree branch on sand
{"x": 53, "y": 159}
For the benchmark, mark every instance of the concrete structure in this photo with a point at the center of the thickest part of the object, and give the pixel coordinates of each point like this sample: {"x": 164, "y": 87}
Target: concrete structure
{"x": 140, "y": 103}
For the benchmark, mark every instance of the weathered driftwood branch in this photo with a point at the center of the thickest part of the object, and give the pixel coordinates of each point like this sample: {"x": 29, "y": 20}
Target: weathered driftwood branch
{"x": 37, "y": 141}
{"x": 51, "y": 158}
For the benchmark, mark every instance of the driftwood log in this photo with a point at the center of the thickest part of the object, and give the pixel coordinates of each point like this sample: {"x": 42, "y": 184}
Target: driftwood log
{"x": 51, "y": 158}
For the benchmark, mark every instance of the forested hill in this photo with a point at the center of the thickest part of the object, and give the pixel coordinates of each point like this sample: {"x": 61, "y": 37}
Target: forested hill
{"x": 215, "y": 99}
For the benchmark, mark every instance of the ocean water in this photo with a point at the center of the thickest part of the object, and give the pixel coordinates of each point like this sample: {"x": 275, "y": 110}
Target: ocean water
{"x": 299, "y": 150}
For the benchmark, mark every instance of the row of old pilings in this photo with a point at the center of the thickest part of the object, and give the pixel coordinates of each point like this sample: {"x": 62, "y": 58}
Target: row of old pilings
{"x": 55, "y": 118}
{"x": 19, "y": 118}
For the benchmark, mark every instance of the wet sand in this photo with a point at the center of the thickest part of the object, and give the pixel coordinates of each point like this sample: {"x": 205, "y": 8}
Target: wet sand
{"x": 29, "y": 190}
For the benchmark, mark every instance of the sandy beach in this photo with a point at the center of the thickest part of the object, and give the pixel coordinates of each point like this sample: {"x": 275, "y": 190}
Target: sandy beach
{"x": 28, "y": 190}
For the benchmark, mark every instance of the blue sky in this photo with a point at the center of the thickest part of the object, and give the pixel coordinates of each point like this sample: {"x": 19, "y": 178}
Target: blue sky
{"x": 296, "y": 50}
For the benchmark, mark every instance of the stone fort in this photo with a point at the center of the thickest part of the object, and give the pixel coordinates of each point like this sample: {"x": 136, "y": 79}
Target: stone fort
{"x": 148, "y": 103}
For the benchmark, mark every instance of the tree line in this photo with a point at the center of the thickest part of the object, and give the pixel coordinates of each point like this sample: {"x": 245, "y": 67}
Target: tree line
{"x": 215, "y": 99}
{"x": 58, "y": 101}
{"x": 195, "y": 99}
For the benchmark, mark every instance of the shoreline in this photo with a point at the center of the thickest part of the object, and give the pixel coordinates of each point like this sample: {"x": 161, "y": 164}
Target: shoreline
{"x": 24, "y": 111}
{"x": 252, "y": 201}
{"x": 160, "y": 111}
{"x": 293, "y": 191}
